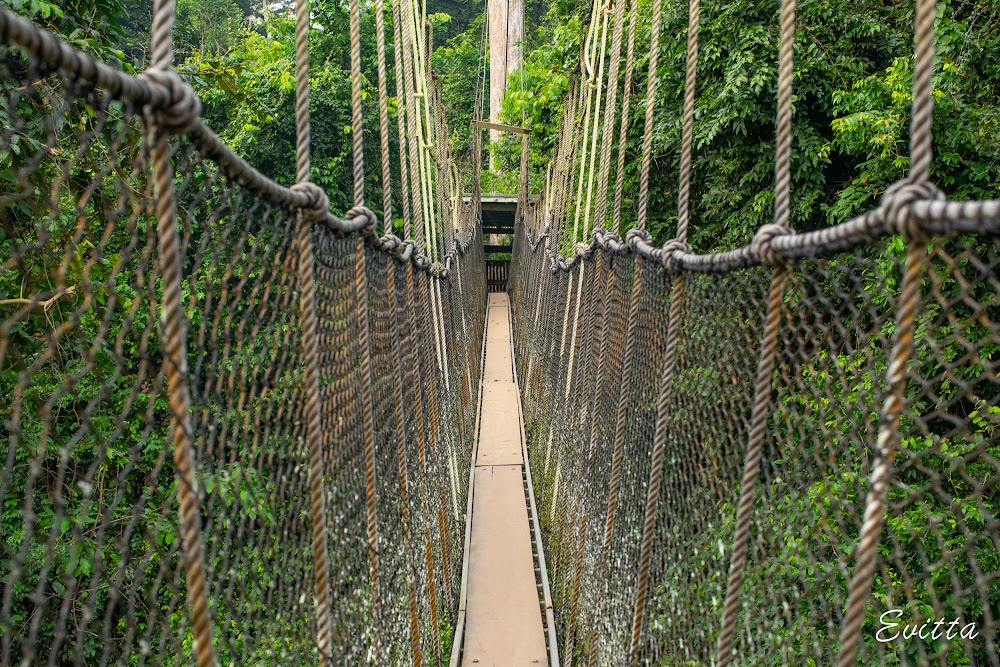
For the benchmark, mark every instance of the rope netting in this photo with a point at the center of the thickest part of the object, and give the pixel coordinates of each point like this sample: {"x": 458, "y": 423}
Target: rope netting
{"x": 783, "y": 454}
{"x": 237, "y": 428}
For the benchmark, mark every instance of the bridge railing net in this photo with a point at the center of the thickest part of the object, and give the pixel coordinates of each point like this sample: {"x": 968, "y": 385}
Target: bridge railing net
{"x": 92, "y": 569}
{"x": 939, "y": 554}
{"x": 784, "y": 454}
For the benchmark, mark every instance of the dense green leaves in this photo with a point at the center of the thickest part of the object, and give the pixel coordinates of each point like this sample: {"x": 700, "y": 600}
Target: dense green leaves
{"x": 853, "y": 75}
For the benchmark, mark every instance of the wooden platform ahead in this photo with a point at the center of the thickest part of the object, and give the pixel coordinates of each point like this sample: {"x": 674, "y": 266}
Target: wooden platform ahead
{"x": 503, "y": 617}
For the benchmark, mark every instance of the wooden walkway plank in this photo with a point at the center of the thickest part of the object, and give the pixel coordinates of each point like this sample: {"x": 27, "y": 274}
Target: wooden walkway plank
{"x": 503, "y": 617}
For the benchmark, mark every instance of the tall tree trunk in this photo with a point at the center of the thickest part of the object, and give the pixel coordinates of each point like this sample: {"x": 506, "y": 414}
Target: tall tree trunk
{"x": 506, "y": 19}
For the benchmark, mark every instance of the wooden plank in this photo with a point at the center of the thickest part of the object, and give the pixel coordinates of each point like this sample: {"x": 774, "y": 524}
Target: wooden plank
{"x": 499, "y": 434}
{"x": 503, "y": 620}
{"x": 500, "y": 127}
{"x": 498, "y": 248}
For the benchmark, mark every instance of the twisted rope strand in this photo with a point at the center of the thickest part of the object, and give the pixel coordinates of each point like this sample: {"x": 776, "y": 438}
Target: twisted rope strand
{"x": 310, "y": 338}
{"x": 383, "y": 116}
{"x": 880, "y": 477}
{"x": 175, "y": 351}
{"x": 647, "y": 139}
{"x": 626, "y": 119}
{"x": 663, "y": 412}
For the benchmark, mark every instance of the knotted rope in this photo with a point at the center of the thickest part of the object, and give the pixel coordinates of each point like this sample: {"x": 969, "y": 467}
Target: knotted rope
{"x": 896, "y": 203}
{"x": 315, "y": 210}
{"x": 762, "y": 247}
{"x": 182, "y": 110}
{"x": 172, "y": 319}
{"x": 895, "y": 210}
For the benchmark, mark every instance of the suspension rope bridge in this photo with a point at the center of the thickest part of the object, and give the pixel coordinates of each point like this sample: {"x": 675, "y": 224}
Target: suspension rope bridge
{"x": 241, "y": 429}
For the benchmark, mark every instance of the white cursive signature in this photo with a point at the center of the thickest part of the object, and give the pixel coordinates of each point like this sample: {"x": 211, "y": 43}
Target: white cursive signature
{"x": 930, "y": 629}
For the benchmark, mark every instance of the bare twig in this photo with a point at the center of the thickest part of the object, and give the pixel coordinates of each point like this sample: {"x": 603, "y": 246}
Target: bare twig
{"x": 45, "y": 305}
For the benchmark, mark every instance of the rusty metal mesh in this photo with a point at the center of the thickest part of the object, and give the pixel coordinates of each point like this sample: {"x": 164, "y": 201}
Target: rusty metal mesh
{"x": 939, "y": 554}
{"x": 91, "y": 569}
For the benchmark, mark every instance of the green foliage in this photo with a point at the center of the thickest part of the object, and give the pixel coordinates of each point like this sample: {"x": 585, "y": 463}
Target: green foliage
{"x": 460, "y": 64}
{"x": 208, "y": 26}
{"x": 851, "y": 100}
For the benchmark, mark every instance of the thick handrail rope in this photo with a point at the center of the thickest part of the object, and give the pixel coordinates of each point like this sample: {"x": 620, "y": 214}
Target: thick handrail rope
{"x": 175, "y": 347}
{"x": 305, "y": 219}
{"x": 769, "y": 342}
{"x": 171, "y": 93}
{"x": 919, "y": 186}
{"x": 933, "y": 216}
{"x": 661, "y": 431}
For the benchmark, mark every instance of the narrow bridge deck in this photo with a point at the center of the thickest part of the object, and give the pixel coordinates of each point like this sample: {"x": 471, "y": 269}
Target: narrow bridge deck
{"x": 503, "y": 617}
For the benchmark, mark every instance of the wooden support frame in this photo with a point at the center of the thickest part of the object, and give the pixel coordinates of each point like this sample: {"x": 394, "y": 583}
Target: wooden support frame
{"x": 502, "y": 128}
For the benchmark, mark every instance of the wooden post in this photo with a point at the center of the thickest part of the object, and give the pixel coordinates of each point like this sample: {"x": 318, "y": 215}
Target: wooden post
{"x": 506, "y": 19}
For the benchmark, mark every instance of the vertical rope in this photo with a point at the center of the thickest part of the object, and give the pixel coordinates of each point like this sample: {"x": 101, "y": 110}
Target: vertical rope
{"x": 310, "y": 340}
{"x": 417, "y": 334}
{"x": 302, "y": 129}
{"x": 307, "y": 315}
{"x": 161, "y": 34}
{"x": 687, "y": 138}
{"x": 605, "y": 12}
{"x": 769, "y": 344}
{"x": 407, "y": 141}
{"x": 364, "y": 333}
{"x": 751, "y": 470}
{"x": 368, "y": 421}
{"x": 670, "y": 353}
{"x": 622, "y": 407}
{"x": 923, "y": 102}
{"x": 647, "y": 139}
{"x": 610, "y": 111}
{"x": 400, "y": 432}
{"x": 383, "y": 116}
{"x": 356, "y": 122}
{"x": 782, "y": 166}
{"x": 175, "y": 350}
{"x": 880, "y": 477}
{"x": 625, "y": 122}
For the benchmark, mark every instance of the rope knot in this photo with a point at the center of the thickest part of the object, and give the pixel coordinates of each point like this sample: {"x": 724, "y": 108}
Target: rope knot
{"x": 763, "y": 240}
{"x": 895, "y": 207}
{"x": 671, "y": 252}
{"x": 183, "y": 108}
{"x": 637, "y": 234}
{"x": 319, "y": 204}
{"x": 365, "y": 213}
